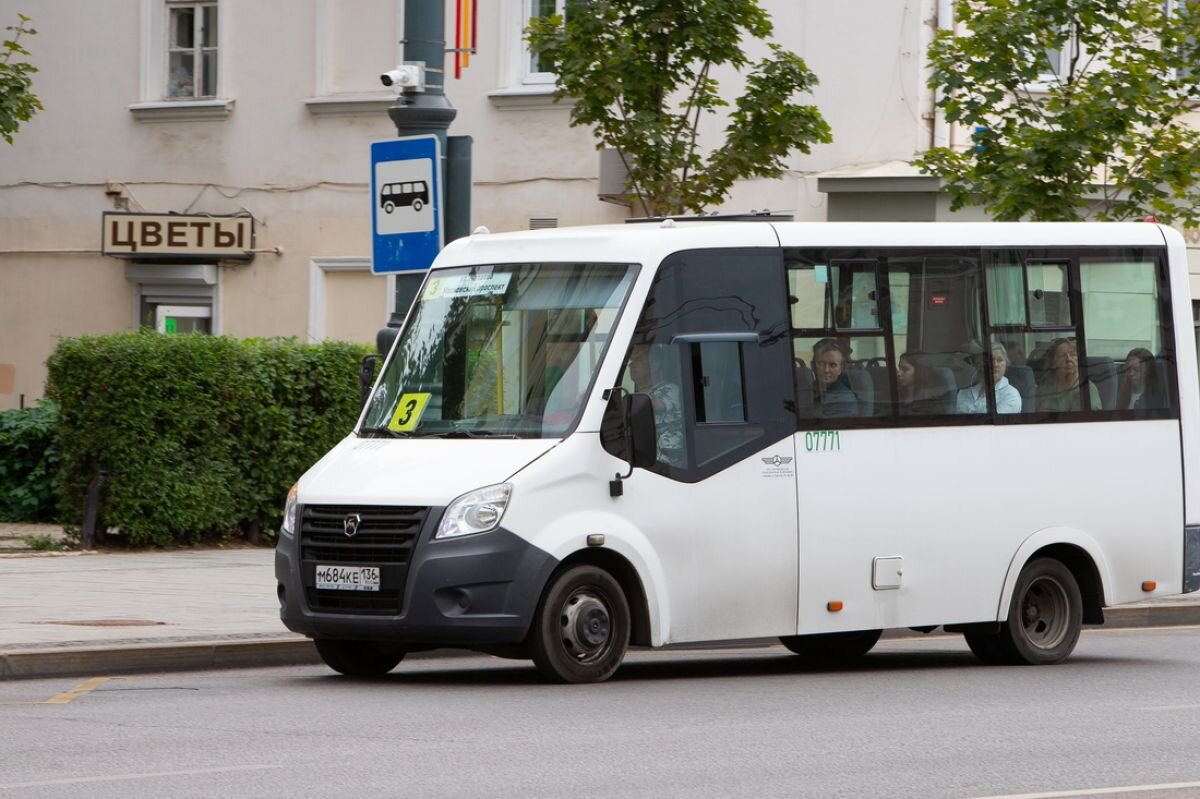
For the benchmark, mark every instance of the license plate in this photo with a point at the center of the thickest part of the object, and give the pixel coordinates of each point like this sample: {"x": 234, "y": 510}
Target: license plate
{"x": 348, "y": 578}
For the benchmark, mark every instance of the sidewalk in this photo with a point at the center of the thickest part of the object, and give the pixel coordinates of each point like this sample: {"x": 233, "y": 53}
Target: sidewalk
{"x": 88, "y": 613}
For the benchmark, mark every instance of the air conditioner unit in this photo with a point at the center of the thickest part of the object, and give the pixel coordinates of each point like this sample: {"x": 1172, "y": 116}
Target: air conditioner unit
{"x": 614, "y": 178}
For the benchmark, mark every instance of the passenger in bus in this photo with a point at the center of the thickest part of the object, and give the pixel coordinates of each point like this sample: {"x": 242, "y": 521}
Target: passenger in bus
{"x": 1139, "y": 387}
{"x": 665, "y": 397}
{"x": 833, "y": 396}
{"x": 1060, "y": 391}
{"x": 911, "y": 387}
{"x": 972, "y": 399}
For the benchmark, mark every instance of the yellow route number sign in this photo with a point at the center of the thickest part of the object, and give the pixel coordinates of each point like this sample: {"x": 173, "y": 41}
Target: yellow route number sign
{"x": 408, "y": 412}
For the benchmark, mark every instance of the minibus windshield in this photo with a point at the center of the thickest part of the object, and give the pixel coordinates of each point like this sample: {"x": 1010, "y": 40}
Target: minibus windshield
{"x": 499, "y": 351}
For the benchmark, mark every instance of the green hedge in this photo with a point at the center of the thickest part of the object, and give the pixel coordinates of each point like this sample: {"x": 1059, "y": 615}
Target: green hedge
{"x": 201, "y": 435}
{"x": 28, "y": 464}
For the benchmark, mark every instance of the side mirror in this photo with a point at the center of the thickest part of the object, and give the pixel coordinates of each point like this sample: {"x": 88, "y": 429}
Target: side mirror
{"x": 628, "y": 431}
{"x": 643, "y": 437}
{"x": 366, "y": 376}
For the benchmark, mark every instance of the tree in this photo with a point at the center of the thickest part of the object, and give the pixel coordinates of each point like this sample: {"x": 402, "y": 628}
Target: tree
{"x": 18, "y": 103}
{"x": 1077, "y": 108}
{"x": 641, "y": 75}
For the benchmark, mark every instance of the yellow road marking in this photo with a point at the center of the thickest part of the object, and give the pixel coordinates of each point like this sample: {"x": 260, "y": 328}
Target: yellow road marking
{"x": 83, "y": 689}
{"x": 66, "y": 697}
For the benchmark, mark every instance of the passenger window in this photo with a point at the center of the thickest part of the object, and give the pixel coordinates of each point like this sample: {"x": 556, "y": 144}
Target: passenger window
{"x": 838, "y": 294}
{"x": 1127, "y": 355}
{"x": 937, "y": 329}
{"x": 840, "y": 378}
{"x": 1048, "y": 292}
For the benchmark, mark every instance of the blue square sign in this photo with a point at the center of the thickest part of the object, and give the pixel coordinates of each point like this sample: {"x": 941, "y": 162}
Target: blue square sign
{"x": 406, "y": 203}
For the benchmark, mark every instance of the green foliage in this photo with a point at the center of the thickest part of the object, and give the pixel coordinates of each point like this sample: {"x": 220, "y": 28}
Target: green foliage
{"x": 28, "y": 464}
{"x": 1103, "y": 139}
{"x": 200, "y": 435}
{"x": 18, "y": 103}
{"x": 44, "y": 543}
{"x": 640, "y": 73}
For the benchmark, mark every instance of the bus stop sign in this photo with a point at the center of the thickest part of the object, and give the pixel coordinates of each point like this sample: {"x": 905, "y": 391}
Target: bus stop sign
{"x": 406, "y": 203}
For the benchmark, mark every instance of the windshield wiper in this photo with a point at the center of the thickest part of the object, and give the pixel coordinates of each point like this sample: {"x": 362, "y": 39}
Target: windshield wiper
{"x": 463, "y": 433}
{"x": 383, "y": 432}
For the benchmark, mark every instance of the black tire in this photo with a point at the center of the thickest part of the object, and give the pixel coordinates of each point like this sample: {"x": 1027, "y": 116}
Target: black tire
{"x": 581, "y": 629}
{"x": 418, "y": 205}
{"x": 832, "y": 647}
{"x": 358, "y": 658}
{"x": 388, "y": 207}
{"x": 1044, "y": 619}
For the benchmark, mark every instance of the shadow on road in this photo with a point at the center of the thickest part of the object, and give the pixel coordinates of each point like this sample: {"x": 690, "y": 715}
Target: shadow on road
{"x": 689, "y": 665}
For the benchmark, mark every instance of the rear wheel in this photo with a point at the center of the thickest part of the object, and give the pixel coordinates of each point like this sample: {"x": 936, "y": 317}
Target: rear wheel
{"x": 418, "y": 205}
{"x": 358, "y": 658}
{"x": 1043, "y": 622}
{"x": 582, "y": 627}
{"x": 832, "y": 647}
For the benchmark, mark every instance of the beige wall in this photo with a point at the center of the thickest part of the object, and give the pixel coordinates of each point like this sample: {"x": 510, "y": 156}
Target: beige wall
{"x": 52, "y": 296}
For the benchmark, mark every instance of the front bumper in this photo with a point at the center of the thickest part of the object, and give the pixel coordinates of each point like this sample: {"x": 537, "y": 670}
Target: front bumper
{"x": 474, "y": 591}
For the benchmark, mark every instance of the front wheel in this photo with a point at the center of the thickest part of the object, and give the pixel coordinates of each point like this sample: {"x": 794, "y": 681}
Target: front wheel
{"x": 1043, "y": 622}
{"x": 358, "y": 658}
{"x": 582, "y": 627}
{"x": 388, "y": 207}
{"x": 832, "y": 647}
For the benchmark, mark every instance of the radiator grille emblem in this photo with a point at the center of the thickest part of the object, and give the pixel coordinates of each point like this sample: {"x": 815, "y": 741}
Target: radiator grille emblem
{"x": 350, "y": 524}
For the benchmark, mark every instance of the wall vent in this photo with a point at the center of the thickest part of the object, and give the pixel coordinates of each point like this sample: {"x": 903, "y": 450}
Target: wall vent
{"x": 542, "y": 222}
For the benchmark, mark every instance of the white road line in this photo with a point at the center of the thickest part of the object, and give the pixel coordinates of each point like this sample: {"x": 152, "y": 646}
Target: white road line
{"x": 141, "y": 776}
{"x": 1165, "y": 786}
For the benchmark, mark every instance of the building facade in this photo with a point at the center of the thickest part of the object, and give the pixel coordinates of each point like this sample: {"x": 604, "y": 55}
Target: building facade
{"x": 236, "y": 135}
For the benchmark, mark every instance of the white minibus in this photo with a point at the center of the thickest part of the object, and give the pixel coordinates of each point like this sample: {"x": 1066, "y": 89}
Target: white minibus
{"x": 698, "y": 431}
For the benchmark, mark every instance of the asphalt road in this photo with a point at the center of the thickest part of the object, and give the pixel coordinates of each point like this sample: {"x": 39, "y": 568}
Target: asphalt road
{"x": 919, "y": 718}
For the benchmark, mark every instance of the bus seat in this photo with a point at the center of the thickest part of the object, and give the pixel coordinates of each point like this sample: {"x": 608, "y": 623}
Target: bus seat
{"x": 1021, "y": 378}
{"x": 1103, "y": 375}
{"x": 965, "y": 376}
{"x": 941, "y": 394}
{"x": 883, "y": 391}
{"x": 864, "y": 389}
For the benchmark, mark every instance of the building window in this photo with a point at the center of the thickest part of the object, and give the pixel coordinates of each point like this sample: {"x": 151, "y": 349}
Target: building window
{"x": 192, "y": 50}
{"x": 537, "y": 70}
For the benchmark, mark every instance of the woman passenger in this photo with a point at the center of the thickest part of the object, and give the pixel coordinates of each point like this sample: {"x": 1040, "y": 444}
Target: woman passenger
{"x": 1138, "y": 388}
{"x": 1008, "y": 400}
{"x": 1060, "y": 392}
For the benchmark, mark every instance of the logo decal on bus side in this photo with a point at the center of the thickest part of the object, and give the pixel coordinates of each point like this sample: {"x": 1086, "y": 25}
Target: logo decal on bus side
{"x": 777, "y": 466}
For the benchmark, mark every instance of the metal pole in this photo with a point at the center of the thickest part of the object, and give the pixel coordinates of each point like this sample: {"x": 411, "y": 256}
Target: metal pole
{"x": 422, "y": 113}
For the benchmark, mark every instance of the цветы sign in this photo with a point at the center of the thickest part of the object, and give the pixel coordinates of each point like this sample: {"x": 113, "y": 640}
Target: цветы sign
{"x": 178, "y": 236}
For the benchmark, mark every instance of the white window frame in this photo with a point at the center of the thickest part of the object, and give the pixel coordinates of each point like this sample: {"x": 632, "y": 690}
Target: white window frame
{"x": 317, "y": 269}
{"x": 154, "y": 105}
{"x": 198, "y": 50}
{"x": 520, "y": 87}
{"x": 529, "y": 75}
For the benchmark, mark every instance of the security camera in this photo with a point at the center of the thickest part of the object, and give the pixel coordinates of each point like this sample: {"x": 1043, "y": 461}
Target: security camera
{"x": 403, "y": 76}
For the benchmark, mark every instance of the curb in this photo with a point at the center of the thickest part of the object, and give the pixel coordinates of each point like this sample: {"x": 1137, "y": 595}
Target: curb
{"x": 32, "y": 664}
{"x": 292, "y": 651}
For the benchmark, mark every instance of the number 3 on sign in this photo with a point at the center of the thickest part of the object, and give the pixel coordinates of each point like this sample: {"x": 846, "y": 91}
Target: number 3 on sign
{"x": 408, "y": 412}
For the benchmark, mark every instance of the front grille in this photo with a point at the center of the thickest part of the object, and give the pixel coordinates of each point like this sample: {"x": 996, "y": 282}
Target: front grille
{"x": 385, "y": 537}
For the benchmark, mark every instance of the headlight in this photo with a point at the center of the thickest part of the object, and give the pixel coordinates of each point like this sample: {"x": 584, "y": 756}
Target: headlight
{"x": 477, "y": 512}
{"x": 289, "y": 513}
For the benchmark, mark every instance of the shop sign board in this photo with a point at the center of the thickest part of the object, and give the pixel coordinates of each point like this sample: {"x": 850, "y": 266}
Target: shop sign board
{"x": 183, "y": 236}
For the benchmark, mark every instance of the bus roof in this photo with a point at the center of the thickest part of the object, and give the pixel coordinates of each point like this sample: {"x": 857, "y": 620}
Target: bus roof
{"x": 650, "y": 242}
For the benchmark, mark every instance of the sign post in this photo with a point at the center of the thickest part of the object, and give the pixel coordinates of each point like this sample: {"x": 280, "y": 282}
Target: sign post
{"x": 406, "y": 203}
